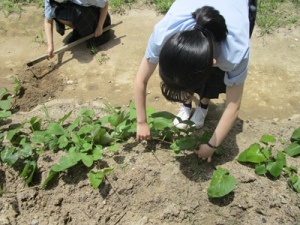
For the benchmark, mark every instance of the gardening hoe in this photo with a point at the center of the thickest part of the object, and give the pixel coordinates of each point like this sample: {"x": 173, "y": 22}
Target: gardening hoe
{"x": 66, "y": 47}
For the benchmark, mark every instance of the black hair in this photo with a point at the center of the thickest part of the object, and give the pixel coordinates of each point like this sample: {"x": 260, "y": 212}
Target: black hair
{"x": 186, "y": 59}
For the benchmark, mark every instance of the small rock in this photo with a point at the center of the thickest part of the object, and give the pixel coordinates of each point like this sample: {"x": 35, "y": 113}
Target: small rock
{"x": 283, "y": 200}
{"x": 69, "y": 82}
{"x": 132, "y": 160}
{"x": 58, "y": 202}
{"x": 34, "y": 222}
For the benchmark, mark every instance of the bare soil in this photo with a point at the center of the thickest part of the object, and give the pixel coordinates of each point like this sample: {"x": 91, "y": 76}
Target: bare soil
{"x": 150, "y": 184}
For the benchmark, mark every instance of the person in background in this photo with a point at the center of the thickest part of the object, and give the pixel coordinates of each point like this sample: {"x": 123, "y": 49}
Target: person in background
{"x": 203, "y": 47}
{"x": 83, "y": 16}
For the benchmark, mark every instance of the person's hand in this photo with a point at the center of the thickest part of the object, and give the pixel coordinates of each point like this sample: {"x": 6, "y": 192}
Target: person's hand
{"x": 205, "y": 152}
{"x": 98, "y": 31}
{"x": 143, "y": 132}
{"x": 49, "y": 52}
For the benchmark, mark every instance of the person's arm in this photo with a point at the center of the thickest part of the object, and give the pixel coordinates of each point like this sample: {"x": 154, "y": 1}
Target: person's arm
{"x": 145, "y": 71}
{"x": 102, "y": 17}
{"x": 233, "y": 102}
{"x": 48, "y": 26}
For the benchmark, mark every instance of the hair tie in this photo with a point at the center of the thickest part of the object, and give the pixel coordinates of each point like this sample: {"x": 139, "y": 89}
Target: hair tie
{"x": 205, "y": 31}
{"x": 199, "y": 27}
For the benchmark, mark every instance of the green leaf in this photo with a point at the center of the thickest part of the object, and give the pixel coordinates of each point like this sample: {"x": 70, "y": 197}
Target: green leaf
{"x": 68, "y": 161}
{"x": 296, "y": 135}
{"x": 53, "y": 143}
{"x": 221, "y": 183}
{"x": 267, "y": 139}
{"x": 56, "y": 129}
{"x": 95, "y": 131}
{"x": 35, "y": 125}
{"x": 175, "y": 147}
{"x": 96, "y": 178}
{"x": 164, "y": 114}
{"x": 275, "y": 168}
{"x": 161, "y": 123}
{"x": 266, "y": 153}
{"x": 281, "y": 158}
{"x": 25, "y": 150}
{"x": 12, "y": 133}
{"x": 150, "y": 110}
{"x": 29, "y": 171}
{"x": 113, "y": 147}
{"x": 62, "y": 141}
{"x": 63, "y": 119}
{"x": 294, "y": 168}
{"x": 293, "y": 149}
{"x": 5, "y": 104}
{"x": 108, "y": 170}
{"x": 186, "y": 143}
{"x": 97, "y": 153}
{"x": 295, "y": 182}
{"x": 116, "y": 119}
{"x": 86, "y": 112}
{"x": 260, "y": 169}
{"x": 252, "y": 154}
{"x": 40, "y": 151}
{"x": 9, "y": 156}
{"x": 87, "y": 159}
{"x": 86, "y": 147}
{"x": 74, "y": 124}
{"x": 104, "y": 119}
{"x": 85, "y": 129}
{"x": 25, "y": 169}
{"x": 3, "y": 92}
{"x": 105, "y": 139}
{"x": 52, "y": 174}
{"x": 5, "y": 114}
{"x": 40, "y": 137}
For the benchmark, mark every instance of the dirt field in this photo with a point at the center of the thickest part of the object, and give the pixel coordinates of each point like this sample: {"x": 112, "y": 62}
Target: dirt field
{"x": 150, "y": 184}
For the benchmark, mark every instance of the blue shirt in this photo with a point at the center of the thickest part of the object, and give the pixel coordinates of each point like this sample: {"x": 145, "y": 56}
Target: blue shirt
{"x": 232, "y": 55}
{"x": 49, "y": 11}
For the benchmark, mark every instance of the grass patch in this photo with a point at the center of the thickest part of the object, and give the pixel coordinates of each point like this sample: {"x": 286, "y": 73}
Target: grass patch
{"x": 274, "y": 14}
{"x": 119, "y": 6}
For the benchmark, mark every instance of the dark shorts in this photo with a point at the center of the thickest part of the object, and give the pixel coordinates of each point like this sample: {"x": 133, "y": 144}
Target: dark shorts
{"x": 84, "y": 19}
{"x": 215, "y": 84}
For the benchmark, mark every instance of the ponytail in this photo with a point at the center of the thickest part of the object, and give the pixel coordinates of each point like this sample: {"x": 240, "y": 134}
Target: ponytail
{"x": 186, "y": 59}
{"x": 211, "y": 22}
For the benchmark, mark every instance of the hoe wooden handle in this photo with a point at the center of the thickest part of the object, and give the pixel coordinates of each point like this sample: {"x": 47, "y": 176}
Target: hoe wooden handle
{"x": 66, "y": 47}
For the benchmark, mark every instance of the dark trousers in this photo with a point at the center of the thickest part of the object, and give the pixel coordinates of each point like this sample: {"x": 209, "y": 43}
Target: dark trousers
{"x": 84, "y": 19}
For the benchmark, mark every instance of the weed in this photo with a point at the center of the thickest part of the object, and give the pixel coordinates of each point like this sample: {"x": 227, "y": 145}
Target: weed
{"x": 17, "y": 83}
{"x": 93, "y": 49}
{"x": 123, "y": 166}
{"x": 45, "y": 110}
{"x": 118, "y": 6}
{"x": 39, "y": 38}
{"x": 102, "y": 58}
{"x": 163, "y": 5}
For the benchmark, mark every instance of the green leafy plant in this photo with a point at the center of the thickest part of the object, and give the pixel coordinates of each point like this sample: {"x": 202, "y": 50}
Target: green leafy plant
{"x": 294, "y": 148}
{"x": 17, "y": 84}
{"x": 221, "y": 183}
{"x": 93, "y": 49}
{"x": 96, "y": 178}
{"x": 5, "y": 104}
{"x": 162, "y": 5}
{"x": 266, "y": 163}
{"x": 102, "y": 58}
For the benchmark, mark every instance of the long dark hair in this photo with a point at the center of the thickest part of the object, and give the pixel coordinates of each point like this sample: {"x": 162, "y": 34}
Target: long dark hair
{"x": 186, "y": 59}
